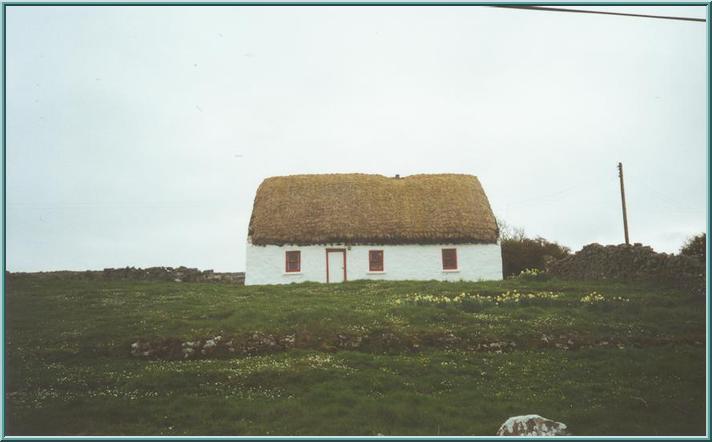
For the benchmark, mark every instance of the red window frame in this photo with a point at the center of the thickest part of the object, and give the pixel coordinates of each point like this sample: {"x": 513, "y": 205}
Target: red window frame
{"x": 375, "y": 260}
{"x": 449, "y": 259}
{"x": 293, "y": 265}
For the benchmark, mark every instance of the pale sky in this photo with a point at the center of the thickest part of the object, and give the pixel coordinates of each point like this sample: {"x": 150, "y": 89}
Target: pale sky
{"x": 137, "y": 136}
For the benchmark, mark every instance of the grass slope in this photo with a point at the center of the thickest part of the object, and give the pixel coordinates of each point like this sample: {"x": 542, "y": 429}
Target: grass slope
{"x": 630, "y": 366}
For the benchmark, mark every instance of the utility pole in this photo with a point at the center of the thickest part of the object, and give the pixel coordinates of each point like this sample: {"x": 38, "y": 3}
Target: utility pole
{"x": 625, "y": 216}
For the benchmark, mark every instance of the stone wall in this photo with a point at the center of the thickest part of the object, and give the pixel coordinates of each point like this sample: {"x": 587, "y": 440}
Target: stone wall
{"x": 631, "y": 263}
{"x": 176, "y": 274}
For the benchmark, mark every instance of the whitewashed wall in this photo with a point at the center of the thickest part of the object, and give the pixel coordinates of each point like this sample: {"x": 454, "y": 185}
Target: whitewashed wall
{"x": 265, "y": 264}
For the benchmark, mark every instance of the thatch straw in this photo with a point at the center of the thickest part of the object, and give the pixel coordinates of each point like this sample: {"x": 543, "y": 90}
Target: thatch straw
{"x": 372, "y": 209}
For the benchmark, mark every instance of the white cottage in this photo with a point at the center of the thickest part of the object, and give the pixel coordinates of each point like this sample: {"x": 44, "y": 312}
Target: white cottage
{"x": 339, "y": 227}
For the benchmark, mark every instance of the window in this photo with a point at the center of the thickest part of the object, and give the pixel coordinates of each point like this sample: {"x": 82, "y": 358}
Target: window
{"x": 449, "y": 259}
{"x": 294, "y": 261}
{"x": 375, "y": 260}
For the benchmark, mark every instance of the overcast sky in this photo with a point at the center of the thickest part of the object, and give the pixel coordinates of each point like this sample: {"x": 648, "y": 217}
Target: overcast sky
{"x": 137, "y": 136}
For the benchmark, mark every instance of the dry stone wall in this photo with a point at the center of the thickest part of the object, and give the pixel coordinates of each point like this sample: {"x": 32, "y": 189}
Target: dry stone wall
{"x": 631, "y": 263}
{"x": 176, "y": 274}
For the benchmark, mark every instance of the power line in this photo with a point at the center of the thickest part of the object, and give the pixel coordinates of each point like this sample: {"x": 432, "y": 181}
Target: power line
{"x": 585, "y": 11}
{"x": 541, "y": 199}
{"x": 669, "y": 201}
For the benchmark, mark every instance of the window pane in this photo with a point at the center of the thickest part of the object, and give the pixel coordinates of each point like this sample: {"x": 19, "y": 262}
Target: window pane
{"x": 449, "y": 259}
{"x": 293, "y": 259}
{"x": 375, "y": 260}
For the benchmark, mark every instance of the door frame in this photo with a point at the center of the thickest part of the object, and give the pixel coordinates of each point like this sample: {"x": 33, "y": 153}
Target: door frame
{"x": 330, "y": 250}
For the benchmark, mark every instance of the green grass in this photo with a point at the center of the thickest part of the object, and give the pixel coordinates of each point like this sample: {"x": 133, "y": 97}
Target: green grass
{"x": 633, "y": 367}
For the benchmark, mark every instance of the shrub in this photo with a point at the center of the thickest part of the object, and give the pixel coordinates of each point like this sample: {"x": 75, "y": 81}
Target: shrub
{"x": 695, "y": 246}
{"x": 520, "y": 254}
{"x": 528, "y": 255}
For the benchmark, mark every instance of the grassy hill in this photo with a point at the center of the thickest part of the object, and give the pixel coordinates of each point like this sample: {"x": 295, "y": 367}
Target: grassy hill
{"x": 362, "y": 358}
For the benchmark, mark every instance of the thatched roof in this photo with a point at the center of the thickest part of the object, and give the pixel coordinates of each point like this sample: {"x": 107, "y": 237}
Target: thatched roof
{"x": 372, "y": 209}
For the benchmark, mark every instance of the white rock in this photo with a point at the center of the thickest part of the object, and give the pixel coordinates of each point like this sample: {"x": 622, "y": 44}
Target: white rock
{"x": 532, "y": 425}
